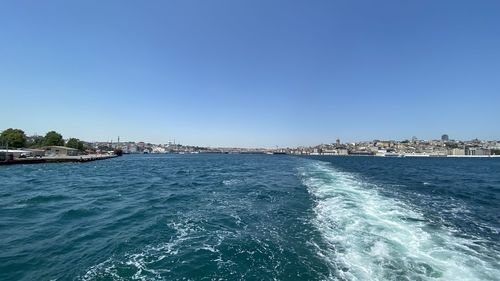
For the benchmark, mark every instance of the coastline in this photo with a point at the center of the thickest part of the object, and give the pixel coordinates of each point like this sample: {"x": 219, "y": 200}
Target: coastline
{"x": 58, "y": 159}
{"x": 402, "y": 155}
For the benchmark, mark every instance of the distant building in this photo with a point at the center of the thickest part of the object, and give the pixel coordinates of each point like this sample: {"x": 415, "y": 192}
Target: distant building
{"x": 456, "y": 151}
{"x": 60, "y": 151}
{"x": 330, "y": 152}
{"x": 477, "y": 151}
{"x": 342, "y": 152}
{"x": 445, "y": 137}
{"x": 36, "y": 152}
{"x": 134, "y": 149}
{"x": 13, "y": 154}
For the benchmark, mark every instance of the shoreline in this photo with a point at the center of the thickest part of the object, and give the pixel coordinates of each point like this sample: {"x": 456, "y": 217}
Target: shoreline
{"x": 405, "y": 156}
{"x": 58, "y": 159}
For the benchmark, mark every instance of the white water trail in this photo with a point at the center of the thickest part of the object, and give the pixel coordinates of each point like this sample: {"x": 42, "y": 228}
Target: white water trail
{"x": 373, "y": 237}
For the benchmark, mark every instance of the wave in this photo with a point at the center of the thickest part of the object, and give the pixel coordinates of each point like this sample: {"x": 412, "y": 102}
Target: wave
{"x": 373, "y": 237}
{"x": 38, "y": 199}
{"x": 79, "y": 213}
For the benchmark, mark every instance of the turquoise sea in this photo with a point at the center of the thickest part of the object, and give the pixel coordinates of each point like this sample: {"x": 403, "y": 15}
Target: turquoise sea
{"x": 251, "y": 217}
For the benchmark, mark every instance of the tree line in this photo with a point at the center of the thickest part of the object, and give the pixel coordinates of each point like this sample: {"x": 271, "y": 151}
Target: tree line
{"x": 16, "y": 138}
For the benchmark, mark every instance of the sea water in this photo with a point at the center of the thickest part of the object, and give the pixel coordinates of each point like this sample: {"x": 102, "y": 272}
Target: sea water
{"x": 251, "y": 217}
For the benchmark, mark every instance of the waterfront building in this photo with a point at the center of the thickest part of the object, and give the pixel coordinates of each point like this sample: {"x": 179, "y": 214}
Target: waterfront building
{"x": 60, "y": 151}
{"x": 13, "y": 154}
{"x": 342, "y": 152}
{"x": 456, "y": 151}
{"x": 134, "y": 149}
{"x": 472, "y": 151}
{"x": 330, "y": 152}
{"x": 36, "y": 152}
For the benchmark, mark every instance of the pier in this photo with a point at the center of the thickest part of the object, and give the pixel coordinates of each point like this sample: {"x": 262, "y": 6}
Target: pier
{"x": 57, "y": 159}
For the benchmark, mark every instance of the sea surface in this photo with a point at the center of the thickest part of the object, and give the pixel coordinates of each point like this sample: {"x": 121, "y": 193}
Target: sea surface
{"x": 251, "y": 217}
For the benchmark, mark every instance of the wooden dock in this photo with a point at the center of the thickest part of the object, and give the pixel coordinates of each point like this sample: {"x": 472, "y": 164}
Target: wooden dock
{"x": 57, "y": 159}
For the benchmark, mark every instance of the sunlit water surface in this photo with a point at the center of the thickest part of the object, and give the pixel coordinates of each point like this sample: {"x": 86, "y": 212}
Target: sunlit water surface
{"x": 251, "y": 217}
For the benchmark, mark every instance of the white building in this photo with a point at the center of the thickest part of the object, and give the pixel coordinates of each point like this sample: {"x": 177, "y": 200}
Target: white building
{"x": 456, "y": 151}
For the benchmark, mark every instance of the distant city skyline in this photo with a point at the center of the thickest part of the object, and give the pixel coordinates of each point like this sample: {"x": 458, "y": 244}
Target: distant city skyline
{"x": 118, "y": 139}
{"x": 251, "y": 74}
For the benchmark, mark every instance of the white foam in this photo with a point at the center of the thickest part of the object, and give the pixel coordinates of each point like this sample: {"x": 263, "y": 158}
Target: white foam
{"x": 144, "y": 262}
{"x": 231, "y": 182}
{"x": 372, "y": 237}
{"x": 140, "y": 262}
{"x": 15, "y": 206}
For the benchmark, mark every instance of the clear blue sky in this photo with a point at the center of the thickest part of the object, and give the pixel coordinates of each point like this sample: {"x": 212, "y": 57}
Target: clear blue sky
{"x": 251, "y": 73}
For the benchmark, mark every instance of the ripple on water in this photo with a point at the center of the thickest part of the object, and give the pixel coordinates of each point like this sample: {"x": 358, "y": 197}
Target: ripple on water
{"x": 244, "y": 217}
{"x": 79, "y": 213}
{"x": 39, "y": 199}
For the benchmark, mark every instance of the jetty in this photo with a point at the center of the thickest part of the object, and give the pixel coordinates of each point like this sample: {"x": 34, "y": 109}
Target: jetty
{"x": 58, "y": 159}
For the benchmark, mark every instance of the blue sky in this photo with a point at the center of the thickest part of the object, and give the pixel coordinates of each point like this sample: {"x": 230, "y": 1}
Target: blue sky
{"x": 251, "y": 73}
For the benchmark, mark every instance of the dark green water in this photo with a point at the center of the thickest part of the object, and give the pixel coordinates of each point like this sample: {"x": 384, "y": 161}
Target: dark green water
{"x": 251, "y": 217}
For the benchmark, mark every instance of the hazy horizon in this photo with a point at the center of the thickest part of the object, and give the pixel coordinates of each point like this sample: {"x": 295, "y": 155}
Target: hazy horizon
{"x": 176, "y": 141}
{"x": 251, "y": 74}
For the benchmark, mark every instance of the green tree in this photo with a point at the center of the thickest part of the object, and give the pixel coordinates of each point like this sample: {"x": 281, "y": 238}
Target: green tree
{"x": 35, "y": 141}
{"x": 451, "y": 145}
{"x": 14, "y": 137}
{"x": 53, "y": 138}
{"x": 74, "y": 143}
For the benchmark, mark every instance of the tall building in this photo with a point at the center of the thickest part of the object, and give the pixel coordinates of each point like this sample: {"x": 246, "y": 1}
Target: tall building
{"x": 445, "y": 137}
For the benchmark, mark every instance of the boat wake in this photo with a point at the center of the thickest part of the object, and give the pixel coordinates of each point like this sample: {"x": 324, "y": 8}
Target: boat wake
{"x": 373, "y": 237}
